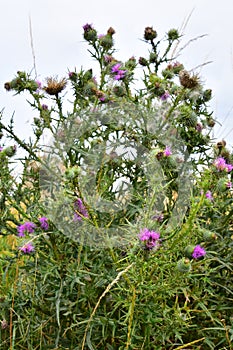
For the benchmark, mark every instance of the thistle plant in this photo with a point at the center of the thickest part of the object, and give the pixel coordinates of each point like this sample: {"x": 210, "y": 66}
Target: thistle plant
{"x": 117, "y": 232}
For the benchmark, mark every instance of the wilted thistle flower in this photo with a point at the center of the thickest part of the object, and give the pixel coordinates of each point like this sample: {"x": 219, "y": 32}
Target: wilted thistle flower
{"x": 150, "y": 33}
{"x": 55, "y": 86}
{"x": 187, "y": 80}
{"x": 210, "y": 122}
{"x": 111, "y": 31}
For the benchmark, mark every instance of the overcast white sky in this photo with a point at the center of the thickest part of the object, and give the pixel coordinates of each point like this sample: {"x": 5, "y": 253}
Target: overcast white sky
{"x": 59, "y": 46}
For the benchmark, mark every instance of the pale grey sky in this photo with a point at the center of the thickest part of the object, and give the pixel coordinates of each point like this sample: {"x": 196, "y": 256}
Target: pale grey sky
{"x": 59, "y": 46}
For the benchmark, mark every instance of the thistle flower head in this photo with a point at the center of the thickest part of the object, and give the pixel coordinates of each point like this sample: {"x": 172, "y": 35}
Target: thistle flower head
{"x": 44, "y": 223}
{"x": 27, "y": 248}
{"x": 151, "y": 238}
{"x": 27, "y": 227}
{"x": 150, "y": 33}
{"x": 189, "y": 81}
{"x": 54, "y": 85}
{"x": 198, "y": 252}
{"x": 167, "y": 152}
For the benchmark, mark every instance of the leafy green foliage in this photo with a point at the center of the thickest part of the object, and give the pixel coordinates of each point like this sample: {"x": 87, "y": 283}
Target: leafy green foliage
{"x": 120, "y": 160}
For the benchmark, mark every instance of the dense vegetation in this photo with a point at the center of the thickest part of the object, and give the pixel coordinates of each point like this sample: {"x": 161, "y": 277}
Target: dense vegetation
{"x": 117, "y": 234}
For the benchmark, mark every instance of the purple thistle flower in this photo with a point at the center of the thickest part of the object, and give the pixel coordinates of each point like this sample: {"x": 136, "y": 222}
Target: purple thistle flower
{"x": 199, "y": 127}
{"x": 27, "y": 248}
{"x": 102, "y": 99}
{"x": 27, "y": 227}
{"x": 167, "y": 152}
{"x": 87, "y": 27}
{"x": 151, "y": 238}
{"x": 220, "y": 163}
{"x": 165, "y": 96}
{"x": 81, "y": 211}
{"x": 115, "y": 68}
{"x": 229, "y": 167}
{"x": 44, "y": 107}
{"x": 108, "y": 58}
{"x": 39, "y": 84}
{"x": 1, "y": 148}
{"x": 119, "y": 73}
{"x": 209, "y": 196}
{"x": 198, "y": 252}
{"x": 229, "y": 184}
{"x": 44, "y": 225}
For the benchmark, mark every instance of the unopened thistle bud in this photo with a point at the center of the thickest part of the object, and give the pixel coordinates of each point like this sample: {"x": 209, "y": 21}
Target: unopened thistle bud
{"x": 207, "y": 95}
{"x": 10, "y": 151}
{"x": 209, "y": 235}
{"x": 189, "y": 251}
{"x": 177, "y": 67}
{"x": 153, "y": 57}
{"x": 173, "y": 34}
{"x": 184, "y": 265}
{"x": 210, "y": 122}
{"x": 119, "y": 91}
{"x": 90, "y": 33}
{"x": 143, "y": 62}
{"x": 106, "y": 41}
{"x": 73, "y": 76}
{"x": 150, "y": 33}
{"x": 167, "y": 74}
{"x": 72, "y": 173}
